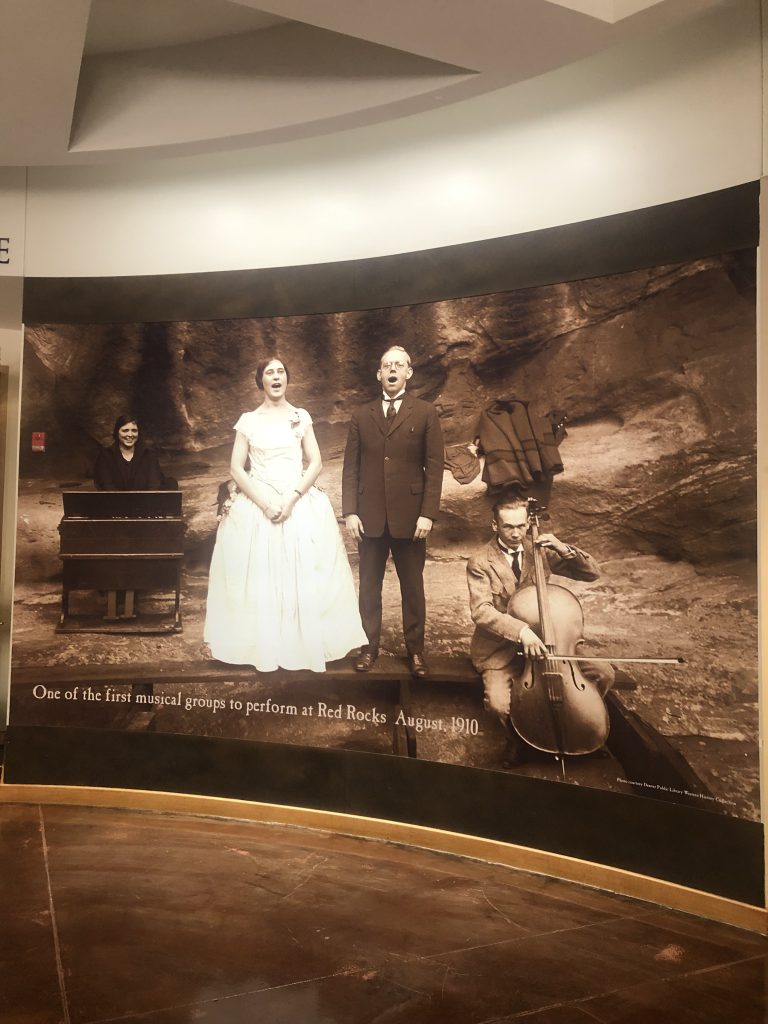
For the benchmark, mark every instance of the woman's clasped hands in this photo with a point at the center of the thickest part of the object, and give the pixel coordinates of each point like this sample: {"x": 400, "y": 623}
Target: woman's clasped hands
{"x": 280, "y": 512}
{"x": 272, "y": 511}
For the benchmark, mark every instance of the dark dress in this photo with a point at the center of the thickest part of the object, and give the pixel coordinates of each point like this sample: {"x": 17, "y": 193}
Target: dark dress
{"x": 113, "y": 473}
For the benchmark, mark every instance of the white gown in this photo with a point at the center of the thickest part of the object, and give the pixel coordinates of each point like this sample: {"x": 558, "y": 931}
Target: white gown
{"x": 280, "y": 595}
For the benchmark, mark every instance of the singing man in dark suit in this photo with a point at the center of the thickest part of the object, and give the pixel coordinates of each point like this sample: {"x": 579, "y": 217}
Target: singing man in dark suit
{"x": 393, "y": 475}
{"x": 501, "y": 641}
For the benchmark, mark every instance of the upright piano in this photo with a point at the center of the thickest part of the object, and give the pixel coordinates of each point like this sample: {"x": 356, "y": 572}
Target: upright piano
{"x": 120, "y": 542}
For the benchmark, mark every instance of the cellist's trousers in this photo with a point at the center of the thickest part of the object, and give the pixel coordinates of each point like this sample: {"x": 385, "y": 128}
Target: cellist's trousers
{"x": 498, "y": 682}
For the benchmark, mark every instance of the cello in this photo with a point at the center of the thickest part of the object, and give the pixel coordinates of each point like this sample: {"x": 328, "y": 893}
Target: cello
{"x": 554, "y": 707}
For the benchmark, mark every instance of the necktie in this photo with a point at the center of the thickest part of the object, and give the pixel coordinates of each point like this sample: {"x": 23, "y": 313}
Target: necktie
{"x": 391, "y": 410}
{"x": 516, "y": 559}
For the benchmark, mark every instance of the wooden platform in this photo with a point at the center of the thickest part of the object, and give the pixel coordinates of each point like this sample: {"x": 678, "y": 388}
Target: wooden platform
{"x": 388, "y": 668}
{"x": 122, "y": 625}
{"x": 634, "y": 749}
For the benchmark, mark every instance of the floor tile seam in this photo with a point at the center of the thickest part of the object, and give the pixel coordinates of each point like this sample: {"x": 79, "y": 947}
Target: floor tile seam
{"x": 54, "y": 924}
{"x": 578, "y": 1003}
{"x": 561, "y": 900}
{"x": 223, "y": 998}
{"x": 518, "y": 938}
{"x": 465, "y": 861}
{"x": 716, "y": 925}
{"x": 361, "y": 855}
{"x": 582, "y": 1002}
{"x": 406, "y": 988}
{"x": 588, "y": 1013}
{"x": 719, "y": 967}
{"x": 478, "y": 885}
{"x": 666, "y": 979}
{"x": 524, "y": 1014}
{"x": 309, "y": 847}
{"x": 468, "y": 862}
{"x": 568, "y": 1003}
{"x": 573, "y": 903}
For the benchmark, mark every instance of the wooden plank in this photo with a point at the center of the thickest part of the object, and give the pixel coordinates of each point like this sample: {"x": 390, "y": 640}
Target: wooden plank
{"x": 388, "y": 669}
{"x": 120, "y": 625}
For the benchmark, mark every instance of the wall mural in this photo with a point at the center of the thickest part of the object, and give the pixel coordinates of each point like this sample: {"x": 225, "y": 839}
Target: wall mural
{"x": 640, "y": 385}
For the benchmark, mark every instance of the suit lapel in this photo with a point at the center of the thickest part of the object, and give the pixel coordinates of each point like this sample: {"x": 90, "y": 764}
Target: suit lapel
{"x": 502, "y": 568}
{"x": 405, "y": 413}
{"x": 378, "y": 416}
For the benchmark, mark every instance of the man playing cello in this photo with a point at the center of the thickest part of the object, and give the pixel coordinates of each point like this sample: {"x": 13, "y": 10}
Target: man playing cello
{"x": 501, "y": 642}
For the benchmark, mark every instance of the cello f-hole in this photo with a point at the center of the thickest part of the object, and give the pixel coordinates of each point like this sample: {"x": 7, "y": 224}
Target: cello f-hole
{"x": 580, "y": 684}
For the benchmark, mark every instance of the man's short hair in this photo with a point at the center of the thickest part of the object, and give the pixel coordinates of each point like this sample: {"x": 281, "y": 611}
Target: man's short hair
{"x": 395, "y": 348}
{"x": 510, "y": 503}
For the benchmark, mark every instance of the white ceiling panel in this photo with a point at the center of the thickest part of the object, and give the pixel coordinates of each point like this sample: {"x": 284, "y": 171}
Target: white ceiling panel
{"x": 116, "y": 26}
{"x": 41, "y": 43}
{"x": 246, "y": 85}
{"x": 490, "y": 35}
{"x": 167, "y": 77}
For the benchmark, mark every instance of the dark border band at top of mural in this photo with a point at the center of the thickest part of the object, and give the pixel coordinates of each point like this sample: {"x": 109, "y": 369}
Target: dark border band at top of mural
{"x": 705, "y": 225}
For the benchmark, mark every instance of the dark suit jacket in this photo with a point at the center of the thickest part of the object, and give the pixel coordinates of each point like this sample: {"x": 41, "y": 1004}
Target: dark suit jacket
{"x": 393, "y": 476}
{"x": 492, "y": 585}
{"x": 142, "y": 473}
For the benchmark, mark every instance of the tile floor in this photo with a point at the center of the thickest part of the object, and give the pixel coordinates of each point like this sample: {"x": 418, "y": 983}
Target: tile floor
{"x": 169, "y": 919}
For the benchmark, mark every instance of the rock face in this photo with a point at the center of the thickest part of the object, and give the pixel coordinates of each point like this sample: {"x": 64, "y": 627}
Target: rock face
{"x": 655, "y": 369}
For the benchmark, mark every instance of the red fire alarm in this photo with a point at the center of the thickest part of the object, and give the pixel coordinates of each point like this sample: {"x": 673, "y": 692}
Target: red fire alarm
{"x": 38, "y": 441}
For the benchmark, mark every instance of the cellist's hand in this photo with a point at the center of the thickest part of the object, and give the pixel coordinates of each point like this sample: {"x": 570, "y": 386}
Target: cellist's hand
{"x": 532, "y": 646}
{"x": 549, "y": 540}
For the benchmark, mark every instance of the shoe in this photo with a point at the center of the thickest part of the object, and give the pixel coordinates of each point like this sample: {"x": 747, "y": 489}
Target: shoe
{"x": 516, "y": 752}
{"x": 365, "y": 659}
{"x": 418, "y": 666}
{"x": 514, "y": 756}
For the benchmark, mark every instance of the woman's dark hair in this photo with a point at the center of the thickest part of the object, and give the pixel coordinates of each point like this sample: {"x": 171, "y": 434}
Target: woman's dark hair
{"x": 121, "y": 422}
{"x": 261, "y": 367}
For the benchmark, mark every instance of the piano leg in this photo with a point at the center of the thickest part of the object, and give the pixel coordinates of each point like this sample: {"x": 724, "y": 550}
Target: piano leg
{"x": 177, "y": 606}
{"x": 128, "y": 608}
{"x": 111, "y": 606}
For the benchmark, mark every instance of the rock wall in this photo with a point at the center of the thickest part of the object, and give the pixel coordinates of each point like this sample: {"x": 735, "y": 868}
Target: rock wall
{"x": 655, "y": 368}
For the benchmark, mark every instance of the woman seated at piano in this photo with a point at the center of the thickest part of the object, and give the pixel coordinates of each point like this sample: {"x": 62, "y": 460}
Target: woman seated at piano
{"x": 128, "y": 464}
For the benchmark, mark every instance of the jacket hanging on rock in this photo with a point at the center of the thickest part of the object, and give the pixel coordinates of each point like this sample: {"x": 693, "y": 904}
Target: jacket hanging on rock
{"x": 462, "y": 461}
{"x": 519, "y": 447}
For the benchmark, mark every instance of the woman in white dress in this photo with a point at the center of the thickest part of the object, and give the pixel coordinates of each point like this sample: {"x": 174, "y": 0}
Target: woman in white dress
{"x": 280, "y": 591}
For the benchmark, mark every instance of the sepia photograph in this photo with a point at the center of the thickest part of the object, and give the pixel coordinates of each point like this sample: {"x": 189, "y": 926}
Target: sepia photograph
{"x": 514, "y": 532}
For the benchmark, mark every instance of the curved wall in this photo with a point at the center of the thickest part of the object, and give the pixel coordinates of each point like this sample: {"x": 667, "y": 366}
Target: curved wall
{"x": 644, "y": 125}
{"x": 685, "y": 846}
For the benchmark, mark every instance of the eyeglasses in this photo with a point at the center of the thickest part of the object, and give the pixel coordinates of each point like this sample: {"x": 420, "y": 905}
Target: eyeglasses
{"x": 394, "y": 366}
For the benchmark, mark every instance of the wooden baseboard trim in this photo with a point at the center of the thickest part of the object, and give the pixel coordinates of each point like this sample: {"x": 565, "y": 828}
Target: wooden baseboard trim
{"x": 600, "y": 876}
